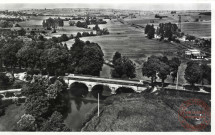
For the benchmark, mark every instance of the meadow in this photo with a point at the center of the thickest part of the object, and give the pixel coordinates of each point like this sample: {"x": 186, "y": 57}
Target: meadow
{"x": 129, "y": 41}
{"x": 200, "y": 29}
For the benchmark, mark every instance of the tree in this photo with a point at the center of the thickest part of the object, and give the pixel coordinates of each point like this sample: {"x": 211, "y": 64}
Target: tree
{"x": 55, "y": 123}
{"x": 4, "y": 80}
{"x": 85, "y": 34}
{"x": 174, "y": 63}
{"x": 71, "y": 36}
{"x": 55, "y": 39}
{"x": 8, "y": 52}
{"x": 71, "y": 23}
{"x": 26, "y": 123}
{"x": 164, "y": 70}
{"x": 147, "y": 29}
{"x": 43, "y": 97}
{"x": 205, "y": 73}
{"x": 56, "y": 60}
{"x": 85, "y": 58}
{"x": 54, "y": 89}
{"x": 151, "y": 67}
{"x": 76, "y": 53}
{"x": 41, "y": 38}
{"x": 192, "y": 72}
{"x": 105, "y": 31}
{"x": 123, "y": 68}
{"x": 116, "y": 56}
{"x": 64, "y": 37}
{"x": 151, "y": 32}
{"x": 96, "y": 27}
{"x": 92, "y": 60}
{"x": 78, "y": 35}
{"x": 190, "y": 37}
{"x": 37, "y": 106}
{"x": 6, "y": 24}
{"x": 27, "y": 56}
{"x": 21, "y": 32}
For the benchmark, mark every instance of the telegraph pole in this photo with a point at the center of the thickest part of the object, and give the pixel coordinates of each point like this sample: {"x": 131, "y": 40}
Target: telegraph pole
{"x": 177, "y": 81}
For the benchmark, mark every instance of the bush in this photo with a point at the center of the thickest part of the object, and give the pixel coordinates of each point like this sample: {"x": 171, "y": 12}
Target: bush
{"x": 9, "y": 94}
{"x": 18, "y": 84}
{"x": 33, "y": 71}
{"x": 4, "y": 80}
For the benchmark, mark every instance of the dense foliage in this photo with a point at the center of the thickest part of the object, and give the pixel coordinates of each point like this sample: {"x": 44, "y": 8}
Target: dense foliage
{"x": 161, "y": 67}
{"x": 195, "y": 73}
{"x": 123, "y": 67}
{"x": 46, "y": 102}
{"x": 52, "y": 57}
{"x": 150, "y": 31}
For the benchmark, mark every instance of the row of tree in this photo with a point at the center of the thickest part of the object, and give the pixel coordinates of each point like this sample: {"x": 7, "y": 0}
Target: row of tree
{"x": 52, "y": 58}
{"x": 53, "y": 23}
{"x": 164, "y": 30}
{"x": 167, "y": 30}
{"x": 162, "y": 67}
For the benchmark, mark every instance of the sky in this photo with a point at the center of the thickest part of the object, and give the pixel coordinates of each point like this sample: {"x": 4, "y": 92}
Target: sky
{"x": 131, "y": 6}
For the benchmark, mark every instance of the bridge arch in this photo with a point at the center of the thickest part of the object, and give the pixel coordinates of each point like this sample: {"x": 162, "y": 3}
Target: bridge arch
{"x": 78, "y": 89}
{"x": 103, "y": 90}
{"x": 124, "y": 89}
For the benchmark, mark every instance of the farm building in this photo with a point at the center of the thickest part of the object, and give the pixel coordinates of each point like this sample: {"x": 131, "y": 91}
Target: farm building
{"x": 194, "y": 54}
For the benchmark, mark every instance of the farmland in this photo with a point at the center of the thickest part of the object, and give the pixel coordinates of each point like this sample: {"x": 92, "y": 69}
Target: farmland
{"x": 201, "y": 28}
{"x": 121, "y": 45}
{"x": 133, "y": 42}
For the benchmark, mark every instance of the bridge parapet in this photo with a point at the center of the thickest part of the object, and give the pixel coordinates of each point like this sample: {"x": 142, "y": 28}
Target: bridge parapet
{"x": 90, "y": 83}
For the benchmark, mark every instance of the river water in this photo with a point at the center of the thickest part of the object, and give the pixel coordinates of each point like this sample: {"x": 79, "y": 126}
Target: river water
{"x": 80, "y": 107}
{"x": 81, "y": 103}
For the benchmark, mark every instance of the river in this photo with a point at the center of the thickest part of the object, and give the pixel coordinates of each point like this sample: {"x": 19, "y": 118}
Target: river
{"x": 81, "y": 103}
{"x": 80, "y": 107}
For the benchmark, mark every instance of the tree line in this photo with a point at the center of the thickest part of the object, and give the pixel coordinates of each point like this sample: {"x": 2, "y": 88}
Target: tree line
{"x": 164, "y": 30}
{"x": 49, "y": 57}
{"x": 162, "y": 67}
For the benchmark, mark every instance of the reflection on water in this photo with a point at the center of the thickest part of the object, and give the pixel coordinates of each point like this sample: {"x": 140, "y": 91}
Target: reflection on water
{"x": 79, "y": 108}
{"x": 81, "y": 102}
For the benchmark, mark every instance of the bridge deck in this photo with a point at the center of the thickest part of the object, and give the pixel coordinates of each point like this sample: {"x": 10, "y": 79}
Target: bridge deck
{"x": 106, "y": 80}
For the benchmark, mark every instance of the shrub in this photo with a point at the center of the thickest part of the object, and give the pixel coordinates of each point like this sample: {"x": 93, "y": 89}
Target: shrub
{"x": 4, "y": 79}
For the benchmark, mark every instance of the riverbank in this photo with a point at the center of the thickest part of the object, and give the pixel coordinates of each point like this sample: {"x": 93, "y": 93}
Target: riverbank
{"x": 140, "y": 112}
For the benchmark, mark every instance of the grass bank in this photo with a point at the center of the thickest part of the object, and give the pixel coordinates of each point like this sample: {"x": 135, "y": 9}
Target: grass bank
{"x": 140, "y": 112}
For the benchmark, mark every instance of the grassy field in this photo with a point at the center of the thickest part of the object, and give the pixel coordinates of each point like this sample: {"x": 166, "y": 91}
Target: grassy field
{"x": 139, "y": 112}
{"x": 198, "y": 29}
{"x": 128, "y": 41}
{"x": 12, "y": 114}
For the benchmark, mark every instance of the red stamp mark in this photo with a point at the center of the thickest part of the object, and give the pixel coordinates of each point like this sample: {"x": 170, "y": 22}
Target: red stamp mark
{"x": 194, "y": 114}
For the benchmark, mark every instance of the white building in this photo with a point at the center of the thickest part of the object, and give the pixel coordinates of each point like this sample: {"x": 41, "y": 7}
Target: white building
{"x": 194, "y": 54}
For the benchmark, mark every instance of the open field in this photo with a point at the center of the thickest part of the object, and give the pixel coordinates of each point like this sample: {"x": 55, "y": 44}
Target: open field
{"x": 198, "y": 29}
{"x": 128, "y": 41}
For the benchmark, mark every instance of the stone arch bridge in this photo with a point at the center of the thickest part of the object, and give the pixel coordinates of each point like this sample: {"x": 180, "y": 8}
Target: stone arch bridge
{"x": 113, "y": 84}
